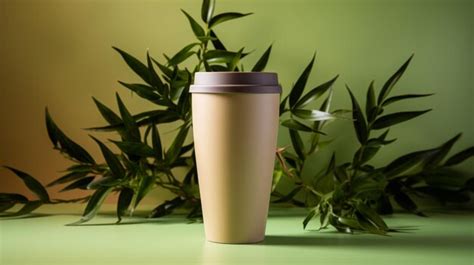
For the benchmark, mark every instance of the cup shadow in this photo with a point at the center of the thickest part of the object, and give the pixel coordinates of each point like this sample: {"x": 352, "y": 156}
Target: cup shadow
{"x": 135, "y": 222}
{"x": 28, "y": 216}
{"x": 414, "y": 241}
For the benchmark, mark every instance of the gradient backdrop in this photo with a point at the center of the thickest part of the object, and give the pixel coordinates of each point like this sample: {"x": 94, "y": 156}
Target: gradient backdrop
{"x": 58, "y": 54}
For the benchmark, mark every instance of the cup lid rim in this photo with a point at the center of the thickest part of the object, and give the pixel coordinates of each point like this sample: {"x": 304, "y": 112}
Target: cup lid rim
{"x": 238, "y": 82}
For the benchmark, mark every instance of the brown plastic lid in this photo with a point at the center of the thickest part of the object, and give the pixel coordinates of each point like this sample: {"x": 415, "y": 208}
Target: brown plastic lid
{"x": 235, "y": 82}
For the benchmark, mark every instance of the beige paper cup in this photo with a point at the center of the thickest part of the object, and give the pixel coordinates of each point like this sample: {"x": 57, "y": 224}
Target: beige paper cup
{"x": 235, "y": 126}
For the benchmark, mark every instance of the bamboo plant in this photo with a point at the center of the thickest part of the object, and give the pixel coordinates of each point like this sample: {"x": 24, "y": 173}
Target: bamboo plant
{"x": 350, "y": 196}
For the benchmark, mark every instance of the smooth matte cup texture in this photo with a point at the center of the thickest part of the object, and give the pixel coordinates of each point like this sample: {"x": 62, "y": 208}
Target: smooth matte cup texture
{"x": 235, "y": 126}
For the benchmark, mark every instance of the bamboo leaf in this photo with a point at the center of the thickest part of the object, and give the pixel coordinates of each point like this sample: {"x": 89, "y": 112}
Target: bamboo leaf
{"x": 360, "y": 125}
{"x": 324, "y": 217}
{"x": 325, "y": 106}
{"x": 235, "y": 61}
{"x": 53, "y": 131}
{"x": 135, "y": 148}
{"x": 5, "y": 206}
{"x": 460, "y": 157}
{"x": 34, "y": 185}
{"x": 219, "y": 56}
{"x": 131, "y": 165}
{"x": 296, "y": 125}
{"x": 8, "y": 200}
{"x": 205, "y": 38}
{"x": 164, "y": 69}
{"x": 138, "y": 67}
{"x": 349, "y": 222}
{"x": 61, "y": 141}
{"x": 368, "y": 226}
{"x": 207, "y": 10}
{"x": 111, "y": 159}
{"x": 217, "y": 68}
{"x": 443, "y": 151}
{"x": 402, "y": 97}
{"x": 316, "y": 92}
{"x": 154, "y": 78}
{"x": 109, "y": 181}
{"x": 183, "y": 54}
{"x": 216, "y": 42}
{"x": 80, "y": 168}
{"x": 197, "y": 29}
{"x": 290, "y": 195}
{"x": 406, "y": 203}
{"x": 300, "y": 84}
{"x": 191, "y": 174}
{"x": 131, "y": 128}
{"x": 184, "y": 102}
{"x": 363, "y": 155}
{"x": 380, "y": 141}
{"x": 396, "y": 118}
{"x": 407, "y": 161}
{"x": 283, "y": 105}
{"x": 144, "y": 119}
{"x": 4, "y": 197}
{"x": 82, "y": 184}
{"x": 297, "y": 143}
{"x": 387, "y": 87}
{"x": 124, "y": 201}
{"x": 371, "y": 215}
{"x": 299, "y": 126}
{"x": 166, "y": 208}
{"x": 370, "y": 103}
{"x": 332, "y": 165}
{"x": 159, "y": 117}
{"x": 276, "y": 177}
{"x": 26, "y": 209}
{"x": 173, "y": 151}
{"x": 182, "y": 58}
{"x": 262, "y": 62}
{"x": 292, "y": 159}
{"x": 340, "y": 173}
{"x": 156, "y": 142}
{"x": 313, "y": 115}
{"x": 145, "y": 92}
{"x": 107, "y": 113}
{"x": 146, "y": 184}
{"x": 314, "y": 212}
{"x": 93, "y": 205}
{"x": 218, "y": 19}
{"x": 362, "y": 185}
{"x": 367, "y": 152}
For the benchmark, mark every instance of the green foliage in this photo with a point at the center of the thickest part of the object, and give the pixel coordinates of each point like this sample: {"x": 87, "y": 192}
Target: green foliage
{"x": 32, "y": 184}
{"x": 218, "y": 19}
{"x": 207, "y": 10}
{"x": 94, "y": 204}
{"x": 64, "y": 144}
{"x": 359, "y": 191}
{"x": 262, "y": 62}
{"x": 300, "y": 84}
{"x": 349, "y": 196}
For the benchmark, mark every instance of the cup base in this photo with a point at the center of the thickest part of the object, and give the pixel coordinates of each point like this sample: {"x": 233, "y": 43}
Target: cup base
{"x": 236, "y": 242}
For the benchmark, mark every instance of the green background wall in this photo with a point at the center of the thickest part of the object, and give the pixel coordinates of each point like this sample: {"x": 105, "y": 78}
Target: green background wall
{"x": 58, "y": 53}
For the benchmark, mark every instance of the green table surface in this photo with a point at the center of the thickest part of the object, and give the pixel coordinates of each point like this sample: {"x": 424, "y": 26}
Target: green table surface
{"x": 443, "y": 238}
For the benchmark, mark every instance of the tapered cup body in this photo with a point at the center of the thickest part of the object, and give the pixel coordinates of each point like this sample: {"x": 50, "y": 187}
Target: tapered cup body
{"x": 235, "y": 133}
